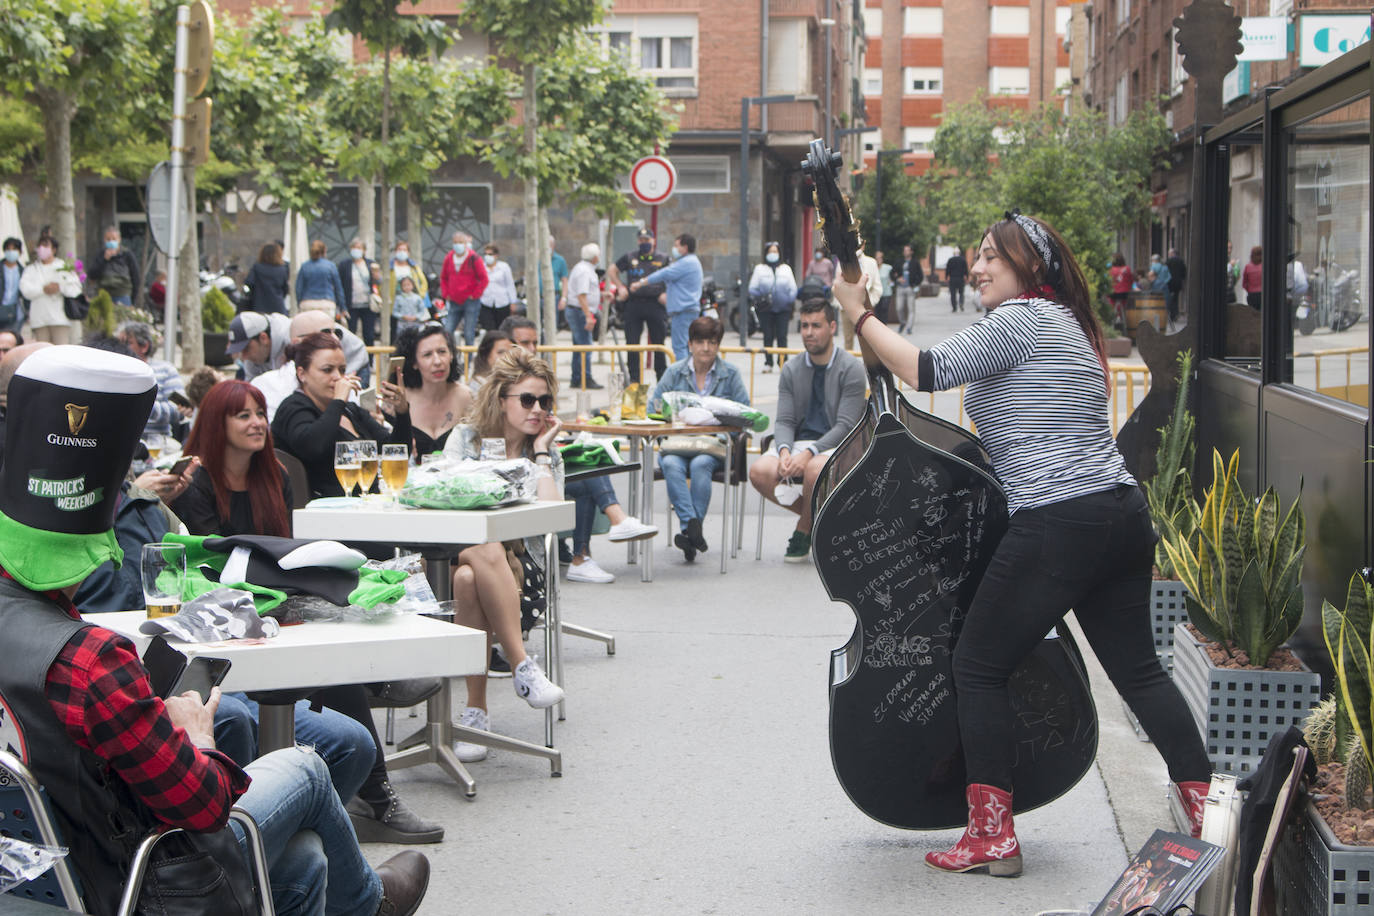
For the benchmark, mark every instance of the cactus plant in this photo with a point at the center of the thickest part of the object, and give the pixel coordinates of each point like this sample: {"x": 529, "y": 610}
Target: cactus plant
{"x": 1170, "y": 491}
{"x": 1242, "y": 566}
{"x": 1319, "y": 731}
{"x": 1349, "y": 635}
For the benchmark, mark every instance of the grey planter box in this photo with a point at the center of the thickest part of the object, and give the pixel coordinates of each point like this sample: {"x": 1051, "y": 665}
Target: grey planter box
{"x": 1315, "y": 874}
{"x": 1167, "y": 608}
{"x": 1237, "y": 710}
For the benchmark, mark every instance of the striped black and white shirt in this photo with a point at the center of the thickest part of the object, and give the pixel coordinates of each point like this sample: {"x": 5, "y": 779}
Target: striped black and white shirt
{"x": 1036, "y": 393}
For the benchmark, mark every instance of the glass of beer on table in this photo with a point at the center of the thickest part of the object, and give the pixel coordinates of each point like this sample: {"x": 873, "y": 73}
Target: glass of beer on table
{"x": 346, "y": 466}
{"x": 164, "y": 578}
{"x": 395, "y": 466}
{"x": 367, "y": 464}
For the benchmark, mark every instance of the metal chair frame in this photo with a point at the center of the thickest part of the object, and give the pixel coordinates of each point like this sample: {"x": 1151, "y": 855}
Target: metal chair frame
{"x": 48, "y": 835}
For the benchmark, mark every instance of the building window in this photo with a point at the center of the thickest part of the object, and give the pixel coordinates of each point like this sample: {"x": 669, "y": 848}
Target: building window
{"x": 1061, "y": 19}
{"x": 873, "y": 21}
{"x": 1063, "y": 79}
{"x": 1177, "y": 75}
{"x": 872, "y": 140}
{"x": 1123, "y": 12}
{"x": 924, "y": 80}
{"x": 1009, "y": 80}
{"x": 664, "y": 47}
{"x": 923, "y": 20}
{"x": 1010, "y": 20}
{"x": 873, "y": 81}
{"x": 789, "y": 56}
{"x": 918, "y": 139}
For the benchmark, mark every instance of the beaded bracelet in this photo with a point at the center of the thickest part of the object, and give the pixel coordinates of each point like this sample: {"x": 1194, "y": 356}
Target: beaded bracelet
{"x": 858, "y": 325}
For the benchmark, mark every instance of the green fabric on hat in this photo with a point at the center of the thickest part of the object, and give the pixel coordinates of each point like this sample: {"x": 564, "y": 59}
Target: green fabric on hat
{"x": 43, "y": 560}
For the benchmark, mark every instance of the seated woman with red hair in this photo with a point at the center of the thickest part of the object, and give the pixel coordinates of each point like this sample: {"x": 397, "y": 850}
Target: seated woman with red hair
{"x": 239, "y": 488}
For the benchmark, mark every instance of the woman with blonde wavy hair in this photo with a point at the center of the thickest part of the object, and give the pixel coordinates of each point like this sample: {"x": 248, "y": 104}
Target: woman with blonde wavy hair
{"x": 516, "y": 404}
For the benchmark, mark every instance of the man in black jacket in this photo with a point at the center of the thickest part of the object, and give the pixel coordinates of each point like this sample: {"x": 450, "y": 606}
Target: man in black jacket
{"x": 355, "y": 273}
{"x": 115, "y": 270}
{"x": 1178, "y": 273}
{"x": 956, "y": 275}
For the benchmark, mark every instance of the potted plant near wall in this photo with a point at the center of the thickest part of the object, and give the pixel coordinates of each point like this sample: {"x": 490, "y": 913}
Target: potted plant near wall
{"x": 1325, "y": 859}
{"x": 216, "y": 314}
{"x": 1241, "y": 566}
{"x": 1170, "y": 495}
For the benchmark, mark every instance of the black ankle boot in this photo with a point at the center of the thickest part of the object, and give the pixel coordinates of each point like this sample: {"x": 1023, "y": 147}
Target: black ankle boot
{"x": 695, "y": 536}
{"x": 379, "y": 816}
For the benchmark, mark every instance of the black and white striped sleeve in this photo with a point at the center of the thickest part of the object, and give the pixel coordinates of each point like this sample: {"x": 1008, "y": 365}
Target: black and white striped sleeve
{"x": 1003, "y": 338}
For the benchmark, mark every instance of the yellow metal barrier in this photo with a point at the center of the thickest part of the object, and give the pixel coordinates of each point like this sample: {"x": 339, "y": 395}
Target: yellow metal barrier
{"x": 381, "y": 354}
{"x": 1353, "y": 394}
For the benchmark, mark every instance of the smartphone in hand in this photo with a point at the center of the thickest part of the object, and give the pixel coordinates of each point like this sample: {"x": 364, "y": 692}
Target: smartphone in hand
{"x": 201, "y": 675}
{"x": 164, "y": 666}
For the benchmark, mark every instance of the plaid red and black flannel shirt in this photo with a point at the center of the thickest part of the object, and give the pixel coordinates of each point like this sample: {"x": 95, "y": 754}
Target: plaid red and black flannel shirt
{"x": 100, "y": 692}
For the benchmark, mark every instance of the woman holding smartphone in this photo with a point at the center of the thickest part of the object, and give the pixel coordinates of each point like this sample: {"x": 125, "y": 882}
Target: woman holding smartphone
{"x": 319, "y": 414}
{"x": 239, "y": 488}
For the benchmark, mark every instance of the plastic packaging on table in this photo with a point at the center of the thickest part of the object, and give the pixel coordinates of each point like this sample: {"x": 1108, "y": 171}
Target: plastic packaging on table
{"x": 448, "y": 483}
{"x": 21, "y": 862}
{"x": 418, "y": 599}
{"x": 697, "y": 410}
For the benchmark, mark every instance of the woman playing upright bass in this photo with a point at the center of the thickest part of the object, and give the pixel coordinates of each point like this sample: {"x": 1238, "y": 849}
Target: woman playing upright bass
{"x": 1079, "y": 537}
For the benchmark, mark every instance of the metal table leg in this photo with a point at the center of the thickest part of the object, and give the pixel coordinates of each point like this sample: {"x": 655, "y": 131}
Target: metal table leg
{"x": 276, "y": 726}
{"x": 647, "y": 509}
{"x": 632, "y": 547}
{"x": 725, "y": 509}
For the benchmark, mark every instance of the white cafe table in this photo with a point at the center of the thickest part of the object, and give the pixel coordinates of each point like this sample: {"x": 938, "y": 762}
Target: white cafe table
{"x": 324, "y": 653}
{"x": 435, "y": 533}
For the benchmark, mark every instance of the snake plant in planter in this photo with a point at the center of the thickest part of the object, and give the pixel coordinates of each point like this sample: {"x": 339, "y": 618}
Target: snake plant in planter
{"x": 1318, "y": 871}
{"x": 1242, "y": 567}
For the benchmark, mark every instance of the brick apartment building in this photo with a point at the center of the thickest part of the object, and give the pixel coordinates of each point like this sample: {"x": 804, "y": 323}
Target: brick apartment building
{"x": 926, "y": 54}
{"x": 705, "y": 54}
{"x": 1130, "y": 60}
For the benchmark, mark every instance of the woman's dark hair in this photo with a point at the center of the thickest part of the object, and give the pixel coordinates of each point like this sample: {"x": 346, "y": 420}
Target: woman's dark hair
{"x": 1257, "y": 254}
{"x": 14, "y": 243}
{"x": 1118, "y": 260}
{"x": 481, "y": 364}
{"x": 269, "y": 253}
{"x": 303, "y": 351}
{"x": 1069, "y": 288}
{"x": 49, "y": 239}
{"x": 706, "y": 328}
{"x": 408, "y": 346}
{"x": 209, "y": 441}
{"x": 770, "y": 245}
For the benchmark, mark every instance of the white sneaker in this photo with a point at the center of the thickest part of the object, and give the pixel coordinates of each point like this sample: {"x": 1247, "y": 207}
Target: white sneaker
{"x": 632, "y": 529}
{"x": 589, "y": 571}
{"x": 534, "y": 687}
{"x": 478, "y": 719}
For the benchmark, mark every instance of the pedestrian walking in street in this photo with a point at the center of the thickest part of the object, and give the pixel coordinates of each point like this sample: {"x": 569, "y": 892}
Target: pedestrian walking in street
{"x": 11, "y": 302}
{"x": 884, "y": 308}
{"x": 317, "y": 284}
{"x": 910, "y": 276}
{"x": 355, "y": 276}
{"x": 462, "y": 281}
{"x": 499, "y": 296}
{"x": 682, "y": 281}
{"x": 956, "y": 276}
{"x": 1123, "y": 281}
{"x": 115, "y": 269}
{"x": 645, "y": 309}
{"x": 583, "y": 311}
{"x": 773, "y": 283}
{"x": 1252, "y": 277}
{"x": 46, "y": 283}
{"x": 267, "y": 282}
{"x": 1178, "y": 275}
{"x": 822, "y": 266}
{"x": 1080, "y": 535}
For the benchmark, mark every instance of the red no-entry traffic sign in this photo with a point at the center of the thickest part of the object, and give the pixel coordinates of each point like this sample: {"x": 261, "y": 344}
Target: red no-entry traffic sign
{"x": 652, "y": 180}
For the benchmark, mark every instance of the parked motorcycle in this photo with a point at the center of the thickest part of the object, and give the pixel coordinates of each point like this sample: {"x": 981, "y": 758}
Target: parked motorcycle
{"x": 712, "y": 298}
{"x": 224, "y": 281}
{"x": 1333, "y": 303}
{"x": 750, "y": 305}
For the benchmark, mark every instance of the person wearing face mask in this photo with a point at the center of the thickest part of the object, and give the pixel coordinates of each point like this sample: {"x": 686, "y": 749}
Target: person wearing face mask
{"x": 499, "y": 295}
{"x": 822, "y": 268}
{"x": 682, "y": 278}
{"x": 773, "y": 279}
{"x": 355, "y": 275}
{"x": 643, "y": 310}
{"x": 583, "y": 310}
{"x": 462, "y": 281}
{"x": 11, "y": 302}
{"x": 115, "y": 270}
{"x": 45, "y": 283}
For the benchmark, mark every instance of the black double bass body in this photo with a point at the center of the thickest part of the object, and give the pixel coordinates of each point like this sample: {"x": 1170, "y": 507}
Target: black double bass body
{"x": 908, "y": 515}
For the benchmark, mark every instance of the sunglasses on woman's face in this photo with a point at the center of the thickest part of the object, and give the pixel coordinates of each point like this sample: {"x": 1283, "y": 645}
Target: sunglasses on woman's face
{"x": 527, "y": 400}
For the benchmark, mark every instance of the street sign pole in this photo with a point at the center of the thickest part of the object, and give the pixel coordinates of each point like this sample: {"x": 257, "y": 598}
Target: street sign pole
{"x": 178, "y": 177}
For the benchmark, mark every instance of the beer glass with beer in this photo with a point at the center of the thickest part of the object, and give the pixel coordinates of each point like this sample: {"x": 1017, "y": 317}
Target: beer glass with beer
{"x": 164, "y": 578}
{"x": 367, "y": 464}
{"x": 395, "y": 466}
{"x": 346, "y": 466}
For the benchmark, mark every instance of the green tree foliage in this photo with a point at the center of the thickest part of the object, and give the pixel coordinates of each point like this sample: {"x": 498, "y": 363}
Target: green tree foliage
{"x": 267, "y": 83}
{"x": 906, "y": 220}
{"x": 21, "y": 135}
{"x": 1087, "y": 179}
{"x": 70, "y": 56}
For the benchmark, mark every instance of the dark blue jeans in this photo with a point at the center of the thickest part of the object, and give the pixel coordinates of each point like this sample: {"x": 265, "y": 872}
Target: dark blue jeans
{"x": 1093, "y": 555}
{"x": 589, "y": 497}
{"x": 774, "y": 326}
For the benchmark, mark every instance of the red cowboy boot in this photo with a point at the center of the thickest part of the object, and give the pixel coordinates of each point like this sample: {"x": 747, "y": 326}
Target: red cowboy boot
{"x": 989, "y": 840}
{"x": 1193, "y": 795}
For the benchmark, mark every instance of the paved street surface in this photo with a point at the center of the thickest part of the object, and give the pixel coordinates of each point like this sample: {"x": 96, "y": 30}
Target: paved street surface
{"x": 697, "y": 775}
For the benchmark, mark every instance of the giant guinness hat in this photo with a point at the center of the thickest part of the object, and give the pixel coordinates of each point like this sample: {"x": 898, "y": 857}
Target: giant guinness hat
{"x": 75, "y": 416}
